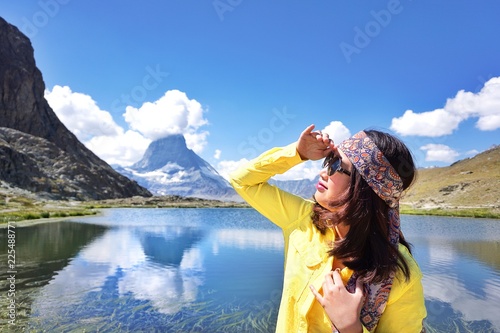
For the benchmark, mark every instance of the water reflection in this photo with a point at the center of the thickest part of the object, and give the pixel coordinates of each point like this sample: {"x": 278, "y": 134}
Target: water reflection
{"x": 168, "y": 246}
{"x": 248, "y": 239}
{"x": 41, "y": 252}
{"x": 163, "y": 266}
{"x": 160, "y": 266}
{"x": 451, "y": 299}
{"x": 486, "y": 252}
{"x": 221, "y": 270}
{"x": 461, "y": 275}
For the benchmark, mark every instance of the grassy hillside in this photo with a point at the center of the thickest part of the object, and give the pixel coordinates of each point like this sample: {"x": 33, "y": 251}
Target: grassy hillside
{"x": 469, "y": 183}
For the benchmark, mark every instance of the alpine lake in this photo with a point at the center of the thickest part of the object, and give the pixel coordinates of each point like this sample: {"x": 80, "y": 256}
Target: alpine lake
{"x": 212, "y": 270}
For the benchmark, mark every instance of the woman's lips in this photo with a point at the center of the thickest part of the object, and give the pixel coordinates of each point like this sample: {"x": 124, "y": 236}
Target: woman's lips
{"x": 321, "y": 187}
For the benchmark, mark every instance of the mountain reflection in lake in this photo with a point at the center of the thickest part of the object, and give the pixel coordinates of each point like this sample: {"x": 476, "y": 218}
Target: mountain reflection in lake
{"x": 218, "y": 270}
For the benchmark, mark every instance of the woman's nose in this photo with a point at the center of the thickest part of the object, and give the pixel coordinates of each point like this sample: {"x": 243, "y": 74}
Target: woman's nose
{"x": 323, "y": 174}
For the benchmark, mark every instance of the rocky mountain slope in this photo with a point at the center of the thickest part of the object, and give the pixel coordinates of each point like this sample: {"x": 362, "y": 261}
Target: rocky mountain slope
{"x": 37, "y": 152}
{"x": 168, "y": 167}
{"x": 472, "y": 182}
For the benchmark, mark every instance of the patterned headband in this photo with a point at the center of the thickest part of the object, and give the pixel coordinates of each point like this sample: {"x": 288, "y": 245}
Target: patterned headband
{"x": 374, "y": 167}
{"x": 378, "y": 172}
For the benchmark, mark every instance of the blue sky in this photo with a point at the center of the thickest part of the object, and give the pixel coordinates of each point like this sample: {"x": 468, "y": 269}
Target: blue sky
{"x": 237, "y": 77}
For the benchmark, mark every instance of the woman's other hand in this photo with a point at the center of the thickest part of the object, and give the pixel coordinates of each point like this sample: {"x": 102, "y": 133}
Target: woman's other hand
{"x": 314, "y": 145}
{"x": 342, "y": 307}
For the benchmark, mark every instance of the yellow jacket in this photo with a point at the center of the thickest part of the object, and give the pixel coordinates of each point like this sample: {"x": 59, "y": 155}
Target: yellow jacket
{"x": 306, "y": 257}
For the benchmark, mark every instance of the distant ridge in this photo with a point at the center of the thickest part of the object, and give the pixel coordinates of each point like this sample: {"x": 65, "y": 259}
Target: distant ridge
{"x": 471, "y": 182}
{"x": 304, "y": 188}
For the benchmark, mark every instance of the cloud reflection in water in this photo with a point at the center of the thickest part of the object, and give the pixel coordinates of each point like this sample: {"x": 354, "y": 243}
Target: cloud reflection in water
{"x": 161, "y": 265}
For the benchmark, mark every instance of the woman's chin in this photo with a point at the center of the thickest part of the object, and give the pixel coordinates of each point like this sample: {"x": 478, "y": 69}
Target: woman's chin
{"x": 319, "y": 197}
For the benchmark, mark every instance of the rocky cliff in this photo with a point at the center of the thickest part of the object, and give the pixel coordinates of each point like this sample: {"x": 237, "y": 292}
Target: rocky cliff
{"x": 37, "y": 152}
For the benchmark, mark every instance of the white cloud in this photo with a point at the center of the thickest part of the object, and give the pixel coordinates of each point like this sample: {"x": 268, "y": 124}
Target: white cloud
{"x": 217, "y": 154}
{"x": 337, "y": 131}
{"x": 224, "y": 168}
{"x": 80, "y": 113}
{"x": 439, "y": 153}
{"x": 173, "y": 113}
{"x": 432, "y": 123}
{"x": 489, "y": 123}
{"x": 123, "y": 149}
{"x": 196, "y": 140}
{"x": 95, "y": 128}
{"x": 484, "y": 105}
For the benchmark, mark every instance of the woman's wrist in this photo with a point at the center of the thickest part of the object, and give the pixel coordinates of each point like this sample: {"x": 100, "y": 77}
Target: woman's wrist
{"x": 355, "y": 328}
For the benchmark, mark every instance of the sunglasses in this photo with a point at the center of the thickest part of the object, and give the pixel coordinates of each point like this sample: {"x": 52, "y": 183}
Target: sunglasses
{"x": 332, "y": 162}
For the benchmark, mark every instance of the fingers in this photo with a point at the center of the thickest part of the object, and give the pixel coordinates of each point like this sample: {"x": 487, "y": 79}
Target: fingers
{"x": 328, "y": 283}
{"x": 325, "y": 137}
{"x": 333, "y": 279}
{"x": 324, "y": 141}
{"x": 316, "y": 294}
{"x": 308, "y": 130}
{"x": 337, "y": 279}
{"x": 319, "y": 135}
{"x": 314, "y": 145}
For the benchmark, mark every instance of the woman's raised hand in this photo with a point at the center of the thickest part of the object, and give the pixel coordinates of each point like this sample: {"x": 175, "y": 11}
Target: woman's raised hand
{"x": 314, "y": 145}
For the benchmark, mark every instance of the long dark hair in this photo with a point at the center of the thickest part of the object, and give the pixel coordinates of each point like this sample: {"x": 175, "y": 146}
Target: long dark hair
{"x": 366, "y": 248}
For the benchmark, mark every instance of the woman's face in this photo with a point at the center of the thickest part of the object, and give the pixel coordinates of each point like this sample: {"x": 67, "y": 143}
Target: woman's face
{"x": 331, "y": 187}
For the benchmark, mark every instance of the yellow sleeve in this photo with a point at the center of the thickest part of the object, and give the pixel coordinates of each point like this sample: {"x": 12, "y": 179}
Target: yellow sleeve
{"x": 250, "y": 182}
{"x": 406, "y": 311}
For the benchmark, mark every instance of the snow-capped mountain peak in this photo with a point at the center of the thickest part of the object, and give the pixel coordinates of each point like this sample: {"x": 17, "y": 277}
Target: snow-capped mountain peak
{"x": 169, "y": 167}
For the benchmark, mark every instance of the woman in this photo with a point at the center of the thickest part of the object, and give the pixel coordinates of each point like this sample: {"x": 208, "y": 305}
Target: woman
{"x": 345, "y": 245}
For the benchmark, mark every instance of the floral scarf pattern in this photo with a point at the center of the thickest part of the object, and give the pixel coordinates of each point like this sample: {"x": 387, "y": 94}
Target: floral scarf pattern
{"x": 378, "y": 172}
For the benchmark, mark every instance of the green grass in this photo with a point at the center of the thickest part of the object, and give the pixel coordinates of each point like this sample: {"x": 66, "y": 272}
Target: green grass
{"x": 458, "y": 212}
{"x": 34, "y": 215}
